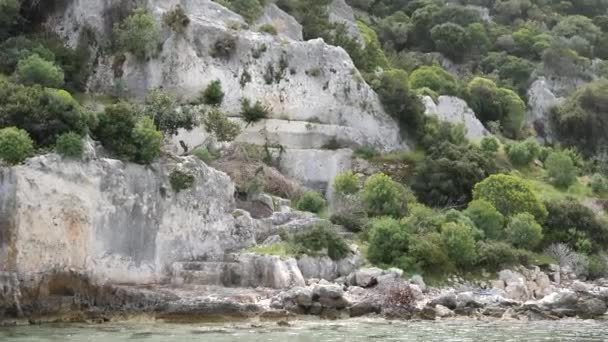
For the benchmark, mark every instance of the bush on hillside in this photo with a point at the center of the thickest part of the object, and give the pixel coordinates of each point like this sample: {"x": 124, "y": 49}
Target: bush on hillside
{"x": 181, "y": 180}
{"x": 498, "y": 255}
{"x": 569, "y": 221}
{"x": 346, "y": 183}
{"x": 218, "y": 124}
{"x": 423, "y": 220}
{"x": 560, "y": 169}
{"x": 524, "y": 232}
{"x": 460, "y": 244}
{"x": 311, "y": 201}
{"x": 15, "y": 145}
{"x": 147, "y": 141}
{"x": 384, "y": 197}
{"x": 434, "y": 78}
{"x": 487, "y": 218}
{"x": 388, "y": 241}
{"x": 490, "y": 144}
{"x": 167, "y": 115}
{"x": 599, "y": 183}
{"x": 70, "y": 145}
{"x": 203, "y": 154}
{"x": 429, "y": 253}
{"x": 510, "y": 195}
{"x": 213, "y": 95}
{"x": 255, "y": 112}
{"x": 322, "y": 238}
{"x": 399, "y": 101}
{"x": 177, "y": 19}
{"x": 36, "y": 70}
{"x": 138, "y": 34}
{"x": 524, "y": 152}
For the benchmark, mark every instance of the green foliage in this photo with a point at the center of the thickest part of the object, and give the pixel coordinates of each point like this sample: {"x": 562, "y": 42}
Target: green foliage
{"x": 311, "y": 201}
{"x": 224, "y": 47}
{"x": 498, "y": 255}
{"x": 224, "y": 129}
{"x": 487, "y": 218}
{"x": 322, "y": 238}
{"x": 393, "y": 30}
{"x": 490, "y": 144}
{"x": 15, "y": 145}
{"x": 399, "y": 101}
{"x": 560, "y": 169}
{"x": 513, "y": 72}
{"x": 450, "y": 39}
{"x": 598, "y": 266}
{"x": 423, "y": 220}
{"x": 428, "y": 252}
{"x": 203, "y": 154}
{"x": 176, "y": 19}
{"x": 510, "y": 195}
{"x": 582, "y": 121}
{"x": 434, "y": 78}
{"x": 448, "y": 174}
{"x": 213, "y": 95}
{"x": 569, "y": 221}
{"x": 384, "y": 196}
{"x": 436, "y": 132}
{"x": 524, "y": 152}
{"x": 346, "y": 183}
{"x": 255, "y": 112}
{"x": 147, "y": 141}
{"x": 268, "y": 28}
{"x": 460, "y": 244}
{"x": 9, "y": 16}
{"x": 138, "y": 34}
{"x": 69, "y": 145}
{"x": 251, "y": 10}
{"x": 43, "y": 113}
{"x": 513, "y": 112}
{"x": 181, "y": 180}
{"x": 164, "y": 110}
{"x": 599, "y": 183}
{"x": 524, "y": 232}
{"x": 388, "y": 241}
{"x": 36, "y": 70}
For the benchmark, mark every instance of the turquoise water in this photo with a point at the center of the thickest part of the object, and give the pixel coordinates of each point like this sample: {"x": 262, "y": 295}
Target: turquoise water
{"x": 317, "y": 331}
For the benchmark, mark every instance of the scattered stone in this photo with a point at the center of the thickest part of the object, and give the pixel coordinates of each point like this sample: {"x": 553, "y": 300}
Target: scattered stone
{"x": 418, "y": 280}
{"x": 442, "y": 311}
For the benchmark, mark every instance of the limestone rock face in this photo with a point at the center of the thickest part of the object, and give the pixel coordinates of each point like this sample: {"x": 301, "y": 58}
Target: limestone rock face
{"x": 540, "y": 101}
{"x": 456, "y": 111}
{"x": 340, "y": 12}
{"x": 116, "y": 222}
{"x": 317, "y": 98}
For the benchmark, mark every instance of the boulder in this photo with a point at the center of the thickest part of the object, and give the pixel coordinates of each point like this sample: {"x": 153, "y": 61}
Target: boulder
{"x": 364, "y": 308}
{"x": 442, "y": 311}
{"x": 591, "y": 308}
{"x": 330, "y": 291}
{"x": 579, "y": 286}
{"x": 418, "y": 280}
{"x": 303, "y": 296}
{"x": 455, "y": 110}
{"x": 449, "y": 300}
{"x": 284, "y": 24}
{"x": 365, "y": 277}
{"x": 341, "y": 13}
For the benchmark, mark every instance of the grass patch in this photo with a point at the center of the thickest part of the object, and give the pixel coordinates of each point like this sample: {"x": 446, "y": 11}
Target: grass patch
{"x": 282, "y": 250}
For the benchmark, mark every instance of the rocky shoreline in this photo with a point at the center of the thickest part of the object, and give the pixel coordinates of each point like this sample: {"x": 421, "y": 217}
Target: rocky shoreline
{"x": 526, "y": 294}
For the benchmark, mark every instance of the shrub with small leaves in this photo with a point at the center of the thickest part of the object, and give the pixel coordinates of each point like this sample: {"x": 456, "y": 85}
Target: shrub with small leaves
{"x": 221, "y": 126}
{"x": 69, "y": 145}
{"x": 490, "y": 144}
{"x": 203, "y": 154}
{"x": 255, "y": 112}
{"x": 15, "y": 145}
{"x": 599, "y": 183}
{"x": 460, "y": 243}
{"x": 311, "y": 201}
{"x": 213, "y": 95}
{"x": 147, "y": 141}
{"x": 138, "y": 34}
{"x": 346, "y": 183}
{"x": 181, "y": 180}
{"x": 176, "y": 19}
{"x": 524, "y": 232}
{"x": 560, "y": 169}
{"x": 268, "y": 28}
{"x": 224, "y": 47}
{"x": 384, "y": 196}
{"x": 322, "y": 238}
{"x": 523, "y": 153}
{"x": 388, "y": 241}
{"x": 486, "y": 217}
{"x": 36, "y": 70}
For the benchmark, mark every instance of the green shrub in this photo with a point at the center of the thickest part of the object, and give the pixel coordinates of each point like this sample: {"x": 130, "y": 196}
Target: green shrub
{"x": 560, "y": 169}
{"x": 436, "y": 132}
{"x": 487, "y": 218}
{"x": 203, "y": 154}
{"x": 523, "y": 153}
{"x": 251, "y": 10}
{"x": 322, "y": 238}
{"x": 268, "y": 28}
{"x": 447, "y": 175}
{"x": 498, "y": 255}
{"x": 428, "y": 253}
{"x": 423, "y": 220}
{"x": 253, "y": 113}
{"x": 9, "y": 16}
{"x": 399, "y": 101}
{"x": 460, "y": 243}
{"x": 70, "y": 145}
{"x": 181, "y": 180}
{"x": 490, "y": 144}
{"x": 138, "y": 34}
{"x": 147, "y": 141}
{"x": 569, "y": 220}
{"x": 224, "y": 47}
{"x": 524, "y": 232}
{"x": 450, "y": 39}
{"x": 388, "y": 241}
{"x": 36, "y": 70}
{"x": 176, "y": 19}
{"x": 346, "y": 183}
{"x": 434, "y": 78}
{"x": 15, "y": 145}
{"x": 598, "y": 266}
{"x": 510, "y": 195}
{"x": 311, "y": 201}
{"x": 599, "y": 183}
{"x": 213, "y": 94}
{"x": 166, "y": 113}
{"x": 221, "y": 126}
{"x": 383, "y": 196}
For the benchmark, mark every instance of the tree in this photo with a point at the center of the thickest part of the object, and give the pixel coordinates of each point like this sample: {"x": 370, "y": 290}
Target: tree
{"x": 311, "y": 201}
{"x": 115, "y": 129}
{"x": 513, "y": 112}
{"x": 147, "y": 141}
{"x": 384, "y": 197}
{"x": 524, "y": 152}
{"x": 560, "y": 169}
{"x": 166, "y": 114}
{"x": 524, "y": 232}
{"x": 9, "y": 16}
{"x": 69, "y": 145}
{"x": 510, "y": 195}
{"x": 138, "y": 34}
{"x": 460, "y": 244}
{"x": 213, "y": 94}
{"x": 569, "y": 220}
{"x": 514, "y": 72}
{"x": 447, "y": 175}
{"x": 36, "y": 70}
{"x": 15, "y": 145}
{"x": 434, "y": 78}
{"x": 577, "y": 25}
{"x": 388, "y": 241}
{"x": 599, "y": 183}
{"x": 487, "y": 218}
{"x": 251, "y": 10}
{"x": 255, "y": 112}
{"x": 399, "y": 101}
{"x": 490, "y": 144}
{"x": 451, "y": 40}
{"x": 224, "y": 129}
{"x": 393, "y": 30}
{"x": 346, "y": 183}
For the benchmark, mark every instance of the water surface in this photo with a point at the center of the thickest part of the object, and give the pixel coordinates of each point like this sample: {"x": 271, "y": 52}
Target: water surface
{"x": 315, "y": 331}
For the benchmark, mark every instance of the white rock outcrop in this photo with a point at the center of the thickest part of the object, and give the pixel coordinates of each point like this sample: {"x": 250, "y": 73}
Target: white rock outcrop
{"x": 540, "y": 102}
{"x": 283, "y": 23}
{"x": 456, "y": 111}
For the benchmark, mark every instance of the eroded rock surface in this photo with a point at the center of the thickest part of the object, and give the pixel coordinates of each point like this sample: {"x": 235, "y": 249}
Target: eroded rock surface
{"x": 456, "y": 111}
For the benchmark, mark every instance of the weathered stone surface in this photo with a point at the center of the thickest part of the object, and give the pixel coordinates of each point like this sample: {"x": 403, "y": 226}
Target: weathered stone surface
{"x": 340, "y": 12}
{"x": 540, "y": 101}
{"x": 591, "y": 308}
{"x": 442, "y": 311}
{"x": 267, "y": 271}
{"x": 285, "y": 24}
{"x": 456, "y": 111}
{"x": 448, "y": 300}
